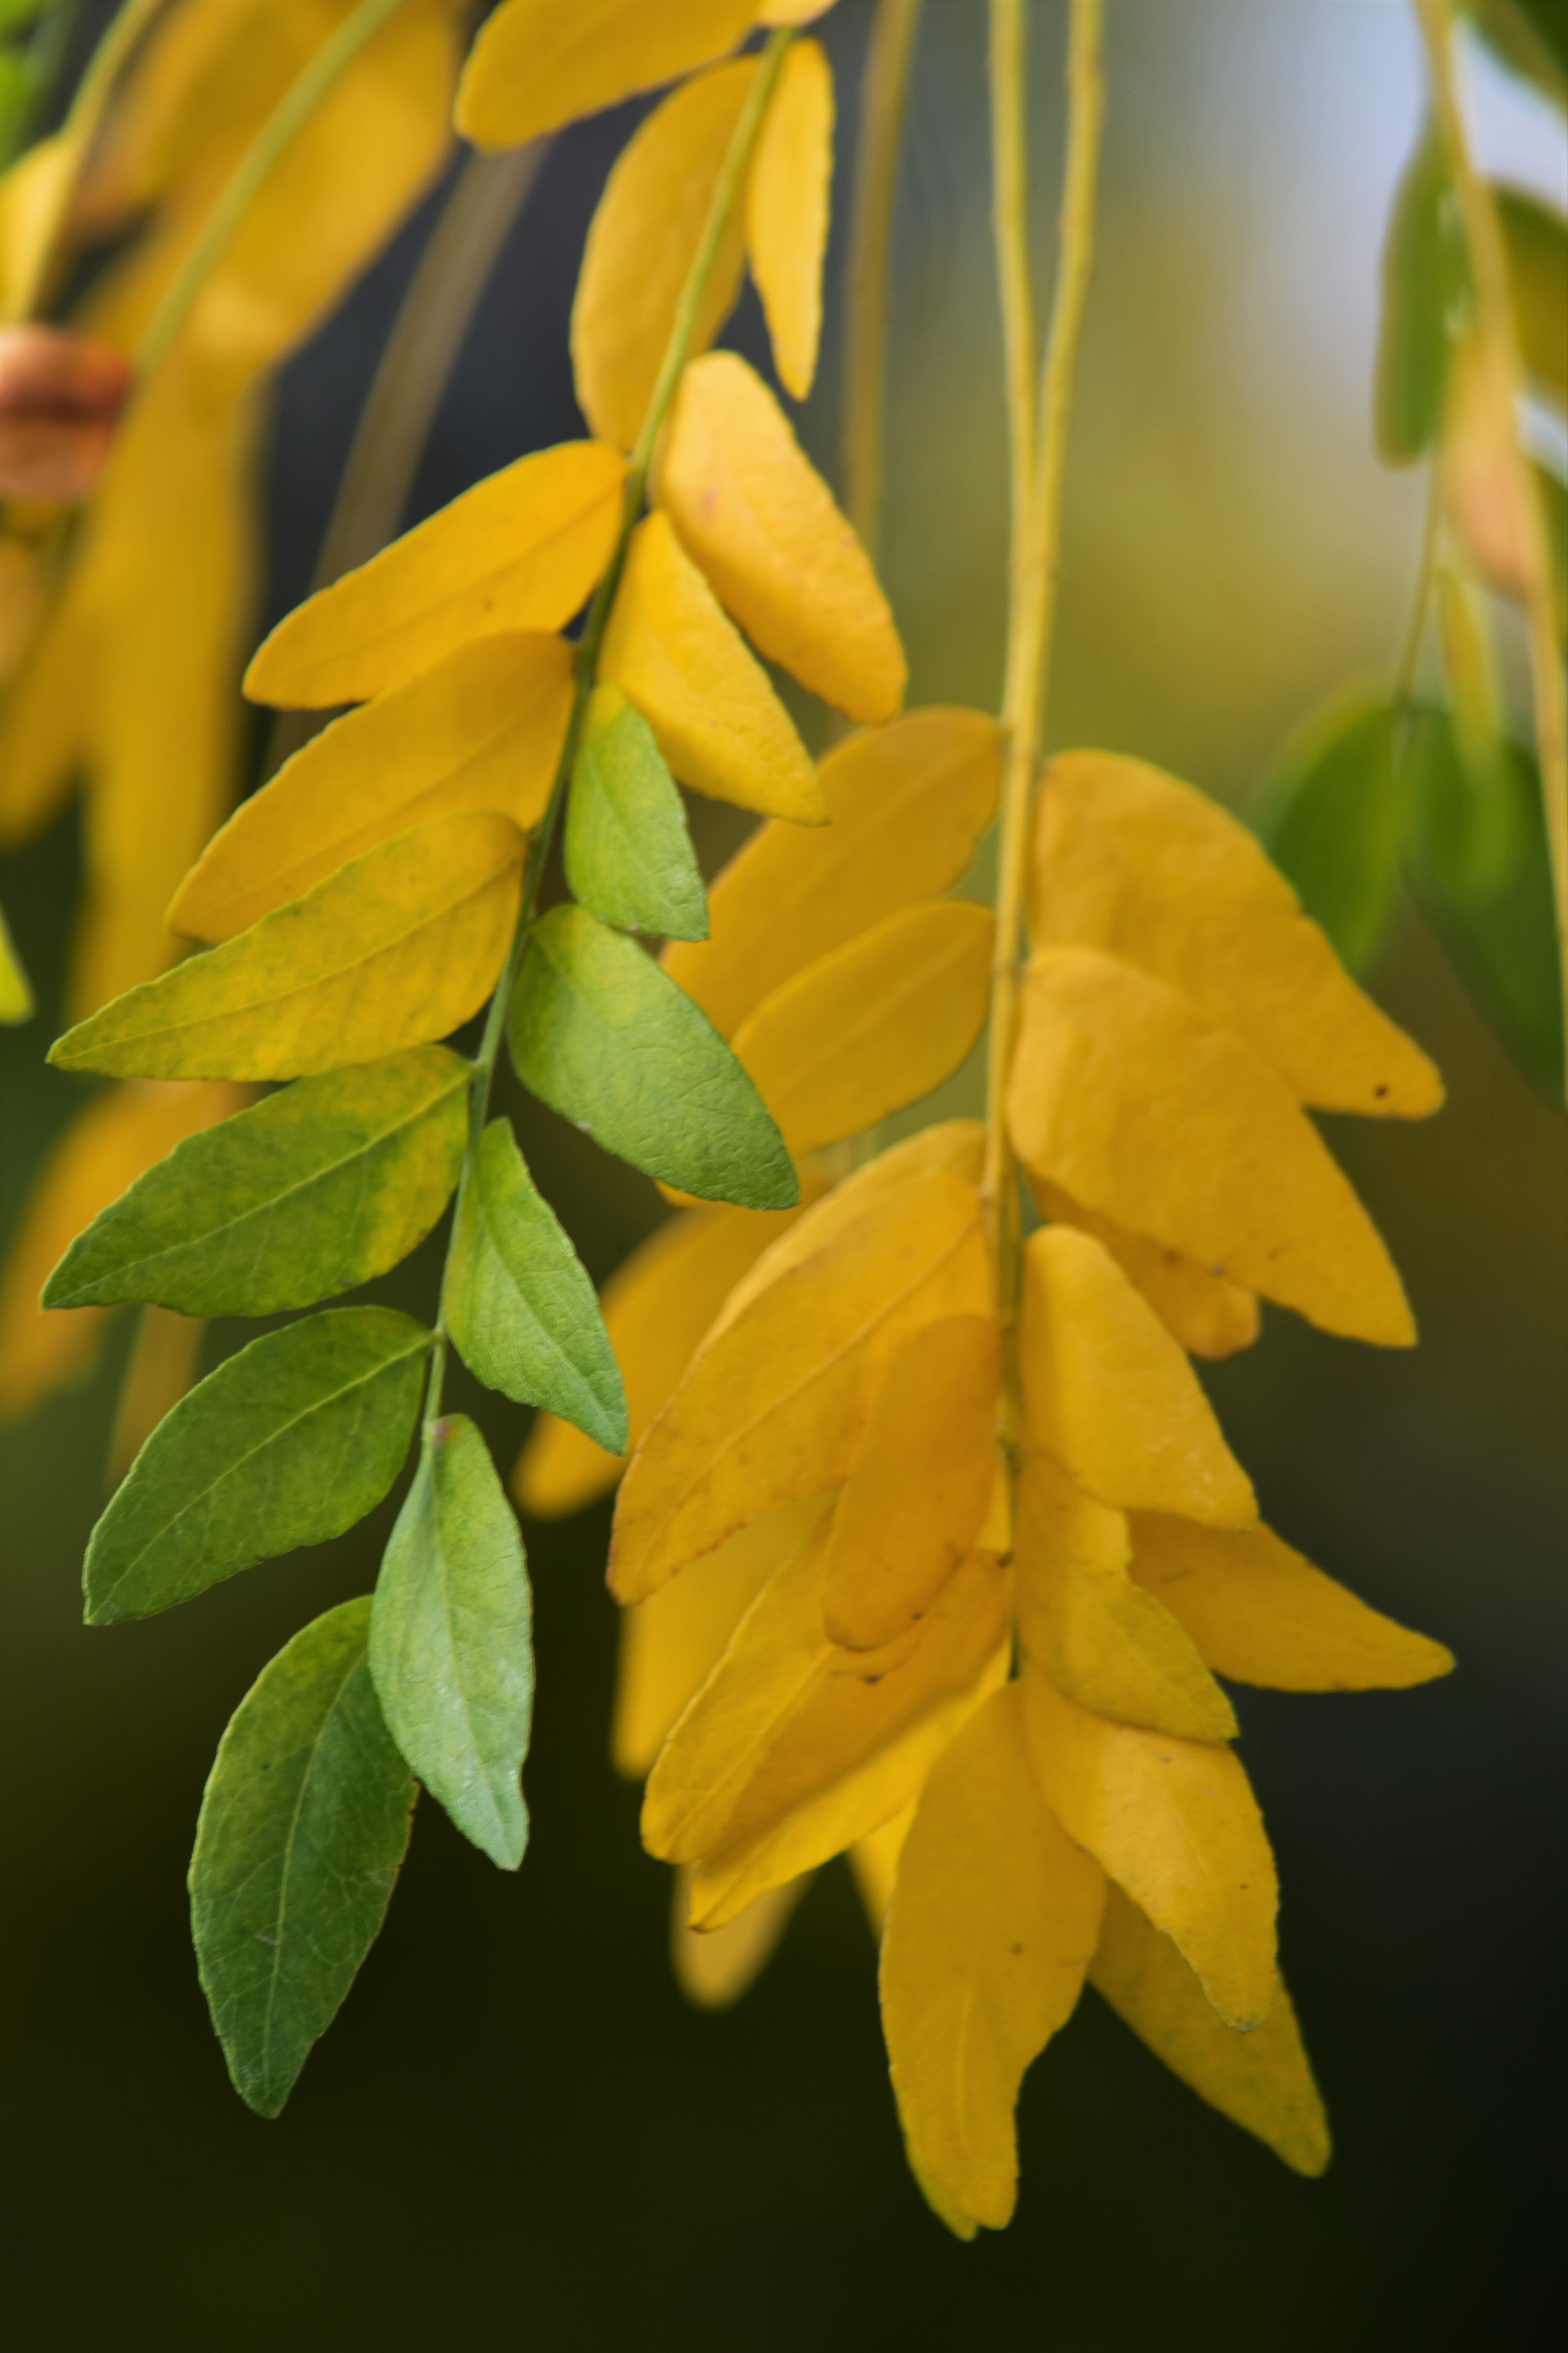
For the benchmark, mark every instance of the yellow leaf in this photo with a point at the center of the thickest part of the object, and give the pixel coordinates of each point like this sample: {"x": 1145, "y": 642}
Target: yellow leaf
{"x": 718, "y": 722}
{"x": 906, "y": 806}
{"x": 874, "y": 1859}
{"x": 873, "y": 1025}
{"x": 1261, "y": 2081}
{"x": 1096, "y": 1635}
{"x": 1124, "y": 1094}
{"x": 787, "y": 196}
{"x": 762, "y": 524}
{"x": 1175, "y": 1823}
{"x": 397, "y": 948}
{"x": 714, "y": 1966}
{"x": 1123, "y": 853}
{"x": 484, "y": 729}
{"x": 1109, "y": 1392}
{"x": 536, "y": 65}
{"x": 15, "y": 990}
{"x": 775, "y": 1402}
{"x": 671, "y": 1643}
{"x": 641, "y": 245}
{"x": 993, "y": 1922}
{"x": 521, "y": 550}
{"x": 34, "y": 195}
{"x": 43, "y": 721}
{"x": 1209, "y": 1316}
{"x": 1261, "y": 1614}
{"x": 119, "y": 1136}
{"x": 22, "y": 600}
{"x": 657, "y": 1308}
{"x": 793, "y": 12}
{"x": 918, "y": 1485}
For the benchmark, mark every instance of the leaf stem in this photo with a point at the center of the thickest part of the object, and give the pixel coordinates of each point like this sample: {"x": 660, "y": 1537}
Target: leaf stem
{"x": 1039, "y": 440}
{"x": 678, "y": 350}
{"x": 1489, "y": 263}
{"x": 884, "y": 95}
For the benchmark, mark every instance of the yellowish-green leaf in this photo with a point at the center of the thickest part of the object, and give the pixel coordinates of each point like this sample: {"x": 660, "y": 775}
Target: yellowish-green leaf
{"x": 1175, "y": 1823}
{"x": 716, "y": 719}
{"x": 1537, "y": 241}
{"x": 774, "y": 1404}
{"x": 1262, "y": 1614}
{"x": 714, "y": 1966}
{"x": 1125, "y": 1096}
{"x": 1123, "y": 854}
{"x": 873, "y": 1025}
{"x": 787, "y": 196}
{"x": 396, "y": 948}
{"x": 483, "y": 729}
{"x": 641, "y": 245}
{"x": 16, "y": 991}
{"x": 521, "y": 550}
{"x": 1261, "y": 2081}
{"x": 628, "y": 851}
{"x": 536, "y": 65}
{"x": 1097, "y": 1636}
{"x": 763, "y": 525}
{"x": 994, "y": 1919}
{"x": 1209, "y": 1316}
{"x": 919, "y": 1486}
{"x": 657, "y": 1308}
{"x": 1108, "y": 1391}
{"x": 906, "y": 806}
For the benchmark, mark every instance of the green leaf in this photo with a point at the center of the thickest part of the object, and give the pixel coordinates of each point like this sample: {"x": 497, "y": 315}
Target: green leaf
{"x": 1537, "y": 242}
{"x": 324, "y": 1185}
{"x": 451, "y": 1640}
{"x": 1482, "y": 870}
{"x": 1425, "y": 289}
{"x": 289, "y": 1442}
{"x": 519, "y": 1306}
{"x": 1554, "y": 508}
{"x": 15, "y": 995}
{"x": 627, "y": 851}
{"x": 303, "y": 1828}
{"x": 1532, "y": 37}
{"x": 603, "y": 1036}
{"x": 1331, "y": 817}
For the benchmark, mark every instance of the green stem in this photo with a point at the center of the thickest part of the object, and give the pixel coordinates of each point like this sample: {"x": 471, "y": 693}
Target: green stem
{"x": 290, "y": 117}
{"x": 884, "y": 93}
{"x": 678, "y": 350}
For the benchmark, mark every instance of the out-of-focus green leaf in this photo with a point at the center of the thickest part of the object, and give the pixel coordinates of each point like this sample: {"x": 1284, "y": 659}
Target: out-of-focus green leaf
{"x": 1425, "y": 283}
{"x": 627, "y": 852}
{"x": 1331, "y": 817}
{"x": 1482, "y": 870}
{"x": 325, "y": 1184}
{"x": 519, "y": 1304}
{"x": 1537, "y": 242}
{"x": 15, "y": 994}
{"x": 303, "y": 1830}
{"x": 604, "y": 1036}
{"x": 1554, "y": 505}
{"x": 1533, "y": 36}
{"x": 286, "y": 1443}
{"x": 451, "y": 1641}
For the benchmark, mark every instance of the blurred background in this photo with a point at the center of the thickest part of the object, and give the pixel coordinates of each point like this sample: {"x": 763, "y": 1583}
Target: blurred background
{"x": 518, "y": 2132}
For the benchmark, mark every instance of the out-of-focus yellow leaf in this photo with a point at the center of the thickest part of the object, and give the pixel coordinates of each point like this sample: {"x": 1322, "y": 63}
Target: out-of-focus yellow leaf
{"x": 1209, "y": 1316}
{"x": 793, "y": 12}
{"x": 657, "y": 1308}
{"x": 21, "y": 594}
{"x": 114, "y": 1140}
{"x": 718, "y": 722}
{"x": 43, "y": 720}
{"x": 1125, "y": 1096}
{"x": 1123, "y": 853}
{"x": 714, "y": 1966}
{"x": 774, "y": 1402}
{"x": 1261, "y": 1614}
{"x": 787, "y": 197}
{"x": 397, "y": 948}
{"x": 873, "y": 1025}
{"x": 993, "y": 1923}
{"x": 484, "y": 729}
{"x": 874, "y": 1860}
{"x": 1098, "y": 1637}
{"x": 642, "y": 243}
{"x": 906, "y": 805}
{"x": 15, "y": 990}
{"x": 918, "y": 1485}
{"x": 34, "y": 195}
{"x": 763, "y": 525}
{"x": 204, "y": 79}
{"x": 521, "y": 550}
{"x": 1175, "y": 1823}
{"x": 1109, "y": 1392}
{"x": 536, "y": 65}
{"x": 1261, "y": 2081}
{"x": 161, "y": 1369}
{"x": 671, "y": 1643}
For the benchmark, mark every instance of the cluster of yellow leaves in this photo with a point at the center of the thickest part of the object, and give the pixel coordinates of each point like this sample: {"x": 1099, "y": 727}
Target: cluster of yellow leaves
{"x": 853, "y": 1629}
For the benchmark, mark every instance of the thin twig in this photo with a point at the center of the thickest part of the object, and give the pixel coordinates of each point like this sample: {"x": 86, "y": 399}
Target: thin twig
{"x": 884, "y": 92}
{"x": 1010, "y": 215}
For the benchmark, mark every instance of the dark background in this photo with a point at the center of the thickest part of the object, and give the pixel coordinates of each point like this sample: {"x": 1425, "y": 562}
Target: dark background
{"x": 517, "y": 2132}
